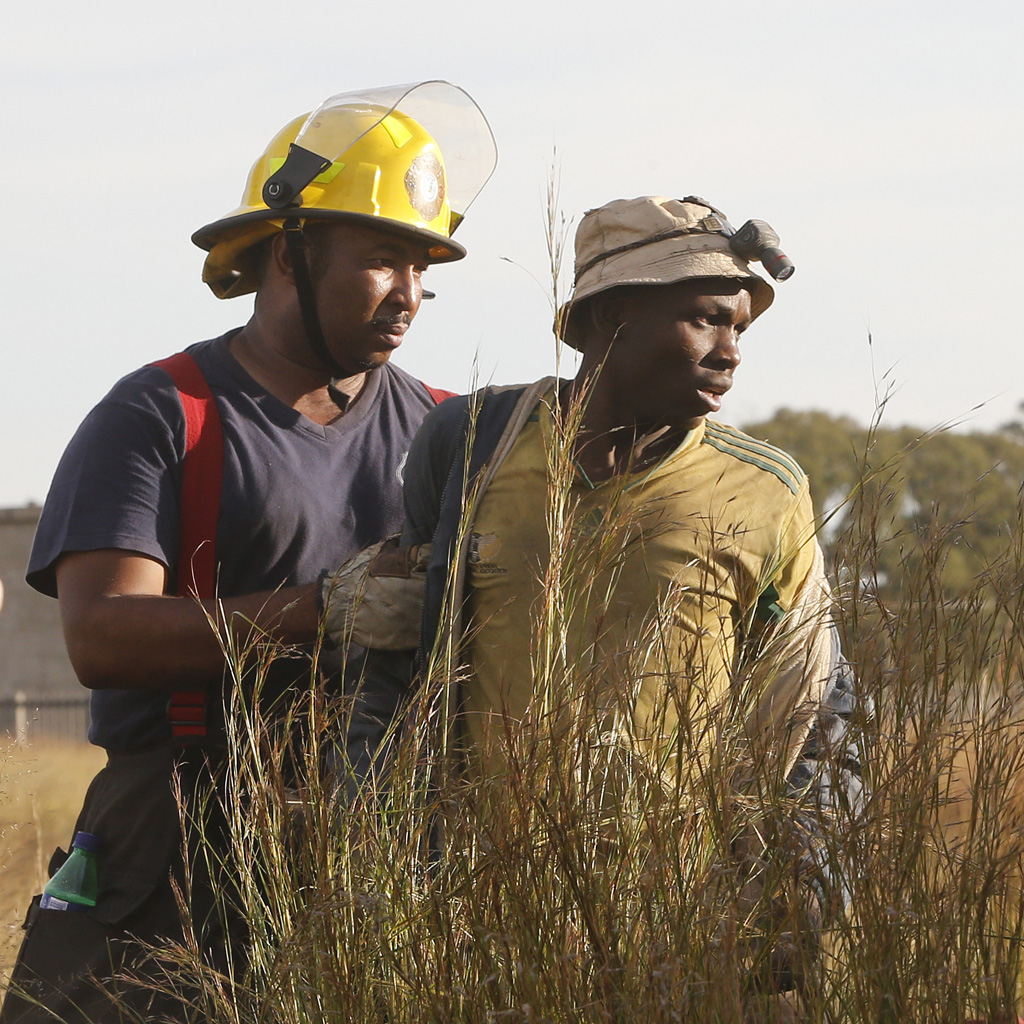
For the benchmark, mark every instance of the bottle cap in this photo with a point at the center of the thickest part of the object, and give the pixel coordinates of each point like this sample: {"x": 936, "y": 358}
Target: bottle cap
{"x": 86, "y": 841}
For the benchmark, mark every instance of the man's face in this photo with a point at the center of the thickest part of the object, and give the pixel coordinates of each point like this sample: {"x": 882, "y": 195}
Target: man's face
{"x": 368, "y": 289}
{"x": 675, "y": 353}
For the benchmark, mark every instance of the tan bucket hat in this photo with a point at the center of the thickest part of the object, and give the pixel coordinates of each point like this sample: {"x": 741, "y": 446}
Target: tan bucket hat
{"x": 654, "y": 240}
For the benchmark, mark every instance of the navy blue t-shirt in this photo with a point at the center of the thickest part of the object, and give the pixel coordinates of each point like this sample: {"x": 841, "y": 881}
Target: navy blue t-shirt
{"x": 297, "y": 497}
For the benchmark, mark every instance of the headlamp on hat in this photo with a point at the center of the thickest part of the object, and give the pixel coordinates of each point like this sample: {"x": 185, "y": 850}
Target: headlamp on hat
{"x": 756, "y": 240}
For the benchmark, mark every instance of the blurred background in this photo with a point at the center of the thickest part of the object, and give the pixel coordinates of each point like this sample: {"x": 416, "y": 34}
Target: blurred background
{"x": 880, "y": 139}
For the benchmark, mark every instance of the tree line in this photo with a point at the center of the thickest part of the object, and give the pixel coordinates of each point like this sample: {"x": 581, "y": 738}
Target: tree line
{"x": 951, "y": 497}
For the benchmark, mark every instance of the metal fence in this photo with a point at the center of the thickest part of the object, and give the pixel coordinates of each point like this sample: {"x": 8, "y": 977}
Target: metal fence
{"x": 24, "y": 717}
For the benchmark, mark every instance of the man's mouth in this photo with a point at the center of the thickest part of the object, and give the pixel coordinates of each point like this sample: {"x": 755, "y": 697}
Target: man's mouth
{"x": 712, "y": 394}
{"x": 393, "y": 327}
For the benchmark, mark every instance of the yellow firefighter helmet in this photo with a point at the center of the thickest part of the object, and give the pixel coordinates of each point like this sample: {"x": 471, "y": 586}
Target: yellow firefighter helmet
{"x": 378, "y": 156}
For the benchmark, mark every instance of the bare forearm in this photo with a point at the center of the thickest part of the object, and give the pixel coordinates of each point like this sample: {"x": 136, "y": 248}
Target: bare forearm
{"x": 149, "y": 641}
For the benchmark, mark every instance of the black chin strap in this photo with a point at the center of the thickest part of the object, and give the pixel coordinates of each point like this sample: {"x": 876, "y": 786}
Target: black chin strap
{"x": 338, "y": 397}
{"x": 307, "y": 301}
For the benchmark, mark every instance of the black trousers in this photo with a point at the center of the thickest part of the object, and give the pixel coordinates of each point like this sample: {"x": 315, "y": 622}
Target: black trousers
{"x": 93, "y": 967}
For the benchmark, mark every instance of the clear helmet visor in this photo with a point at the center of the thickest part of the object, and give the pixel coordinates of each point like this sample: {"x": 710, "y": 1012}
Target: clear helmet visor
{"x": 449, "y": 114}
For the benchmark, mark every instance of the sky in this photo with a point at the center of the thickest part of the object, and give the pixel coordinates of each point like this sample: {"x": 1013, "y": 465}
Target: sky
{"x": 882, "y": 140}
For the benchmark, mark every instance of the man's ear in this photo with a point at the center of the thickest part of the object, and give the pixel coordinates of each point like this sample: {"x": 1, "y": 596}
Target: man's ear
{"x": 605, "y": 313}
{"x": 279, "y": 260}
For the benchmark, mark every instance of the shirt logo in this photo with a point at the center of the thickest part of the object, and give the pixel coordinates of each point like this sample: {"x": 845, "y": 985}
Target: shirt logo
{"x": 484, "y": 548}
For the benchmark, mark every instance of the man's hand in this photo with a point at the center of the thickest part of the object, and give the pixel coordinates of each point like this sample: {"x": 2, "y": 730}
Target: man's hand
{"x": 376, "y": 598}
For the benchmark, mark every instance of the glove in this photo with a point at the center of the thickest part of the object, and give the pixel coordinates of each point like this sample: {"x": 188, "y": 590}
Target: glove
{"x": 781, "y": 912}
{"x": 790, "y": 919}
{"x": 376, "y": 598}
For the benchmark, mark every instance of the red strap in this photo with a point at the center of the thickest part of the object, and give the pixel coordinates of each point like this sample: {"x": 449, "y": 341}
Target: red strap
{"x": 202, "y": 473}
{"x": 439, "y": 394}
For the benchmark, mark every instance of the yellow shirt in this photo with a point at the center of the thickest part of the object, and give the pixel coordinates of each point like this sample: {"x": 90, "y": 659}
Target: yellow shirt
{"x": 639, "y": 620}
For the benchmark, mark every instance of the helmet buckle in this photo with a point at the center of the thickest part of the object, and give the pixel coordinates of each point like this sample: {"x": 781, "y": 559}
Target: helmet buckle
{"x": 284, "y": 187}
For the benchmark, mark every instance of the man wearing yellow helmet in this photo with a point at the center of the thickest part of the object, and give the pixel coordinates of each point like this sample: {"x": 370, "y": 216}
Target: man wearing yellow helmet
{"x": 237, "y": 472}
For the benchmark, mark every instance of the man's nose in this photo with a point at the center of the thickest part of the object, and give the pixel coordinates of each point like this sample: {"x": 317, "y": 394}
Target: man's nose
{"x": 726, "y": 353}
{"x": 406, "y": 288}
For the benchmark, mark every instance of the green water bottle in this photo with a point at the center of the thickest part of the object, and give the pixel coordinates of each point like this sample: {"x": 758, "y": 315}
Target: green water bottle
{"x": 74, "y": 886}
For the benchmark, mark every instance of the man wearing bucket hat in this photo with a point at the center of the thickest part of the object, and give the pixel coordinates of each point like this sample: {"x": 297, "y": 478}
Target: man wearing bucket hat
{"x": 236, "y": 473}
{"x": 695, "y": 610}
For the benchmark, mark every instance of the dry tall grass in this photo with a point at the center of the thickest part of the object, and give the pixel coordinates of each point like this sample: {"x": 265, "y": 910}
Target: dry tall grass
{"x": 577, "y": 887}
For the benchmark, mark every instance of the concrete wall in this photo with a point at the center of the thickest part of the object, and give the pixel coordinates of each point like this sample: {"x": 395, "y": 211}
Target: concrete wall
{"x": 32, "y": 656}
